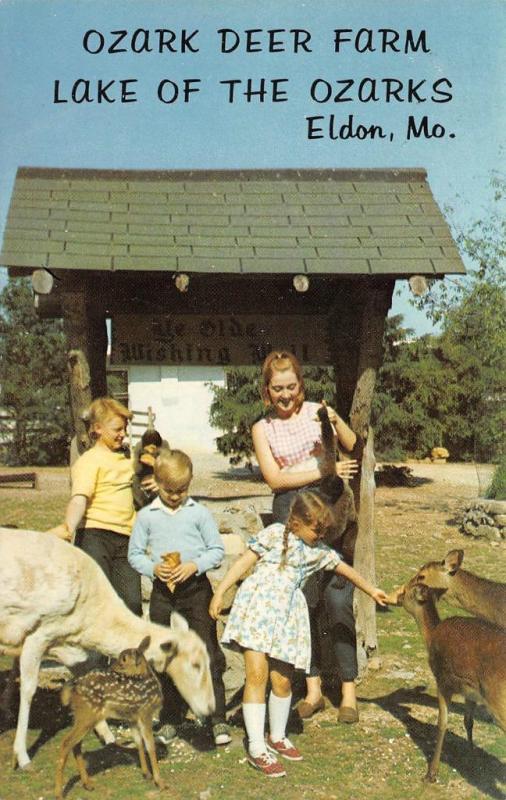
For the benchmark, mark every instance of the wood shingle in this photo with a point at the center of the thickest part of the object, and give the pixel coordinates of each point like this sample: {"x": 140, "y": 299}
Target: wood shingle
{"x": 340, "y": 222}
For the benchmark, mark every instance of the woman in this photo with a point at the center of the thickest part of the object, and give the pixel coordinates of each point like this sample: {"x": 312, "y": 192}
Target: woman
{"x": 287, "y": 444}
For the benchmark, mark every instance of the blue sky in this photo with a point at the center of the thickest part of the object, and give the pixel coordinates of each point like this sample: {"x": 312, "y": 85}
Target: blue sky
{"x": 41, "y": 41}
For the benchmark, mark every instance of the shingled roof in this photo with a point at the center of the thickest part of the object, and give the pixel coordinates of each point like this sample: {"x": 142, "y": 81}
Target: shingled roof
{"x": 345, "y": 222}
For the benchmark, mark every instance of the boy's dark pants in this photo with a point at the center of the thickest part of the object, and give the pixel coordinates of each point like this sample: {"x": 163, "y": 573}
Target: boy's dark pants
{"x": 190, "y": 599}
{"x": 110, "y": 550}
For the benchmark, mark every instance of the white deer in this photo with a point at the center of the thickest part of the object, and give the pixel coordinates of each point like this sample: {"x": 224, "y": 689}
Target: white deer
{"x": 55, "y": 601}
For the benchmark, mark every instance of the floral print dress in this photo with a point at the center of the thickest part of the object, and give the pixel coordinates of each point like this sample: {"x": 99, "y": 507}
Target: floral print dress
{"x": 270, "y": 613}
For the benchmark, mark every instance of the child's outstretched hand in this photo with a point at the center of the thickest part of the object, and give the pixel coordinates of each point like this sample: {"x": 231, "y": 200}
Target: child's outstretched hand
{"x": 380, "y": 597}
{"x": 216, "y": 605}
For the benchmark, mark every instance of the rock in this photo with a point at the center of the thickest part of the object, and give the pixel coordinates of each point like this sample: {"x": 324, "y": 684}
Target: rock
{"x": 488, "y": 532}
{"x": 488, "y": 506}
{"x": 234, "y": 544}
{"x": 500, "y": 519}
{"x": 439, "y": 455}
{"x": 401, "y": 674}
{"x": 235, "y": 520}
{"x": 374, "y": 663}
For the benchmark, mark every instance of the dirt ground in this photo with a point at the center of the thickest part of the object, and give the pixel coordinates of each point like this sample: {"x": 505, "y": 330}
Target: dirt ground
{"x": 384, "y": 756}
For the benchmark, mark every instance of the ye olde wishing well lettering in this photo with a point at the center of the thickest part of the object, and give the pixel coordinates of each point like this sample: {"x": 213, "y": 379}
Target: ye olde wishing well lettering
{"x": 216, "y": 340}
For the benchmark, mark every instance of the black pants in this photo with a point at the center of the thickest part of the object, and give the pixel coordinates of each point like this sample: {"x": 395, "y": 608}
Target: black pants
{"x": 190, "y": 599}
{"x": 330, "y": 603}
{"x": 110, "y": 550}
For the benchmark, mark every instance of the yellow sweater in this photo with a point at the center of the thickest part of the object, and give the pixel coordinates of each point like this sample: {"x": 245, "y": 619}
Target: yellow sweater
{"x": 105, "y": 478}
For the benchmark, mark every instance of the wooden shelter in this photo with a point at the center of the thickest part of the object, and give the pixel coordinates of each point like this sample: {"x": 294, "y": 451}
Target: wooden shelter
{"x": 289, "y": 246}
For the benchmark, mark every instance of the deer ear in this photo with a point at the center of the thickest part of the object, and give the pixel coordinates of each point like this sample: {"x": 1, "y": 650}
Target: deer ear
{"x": 420, "y": 593}
{"x": 170, "y": 648}
{"x": 178, "y": 623}
{"x": 453, "y": 561}
{"x": 144, "y": 645}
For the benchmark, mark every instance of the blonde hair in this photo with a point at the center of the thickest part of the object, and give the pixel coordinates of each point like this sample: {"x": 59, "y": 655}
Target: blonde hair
{"x": 172, "y": 465}
{"x": 310, "y": 508}
{"x": 103, "y": 409}
{"x": 280, "y": 361}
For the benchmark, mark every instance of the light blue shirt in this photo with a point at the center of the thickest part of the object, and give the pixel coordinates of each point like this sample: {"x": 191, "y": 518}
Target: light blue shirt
{"x": 190, "y": 529}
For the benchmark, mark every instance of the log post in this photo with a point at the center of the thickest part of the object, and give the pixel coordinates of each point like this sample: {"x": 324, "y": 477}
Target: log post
{"x": 86, "y": 335}
{"x": 376, "y": 304}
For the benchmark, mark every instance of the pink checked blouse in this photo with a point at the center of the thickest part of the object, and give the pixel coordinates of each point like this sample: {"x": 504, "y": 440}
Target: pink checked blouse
{"x": 295, "y": 439}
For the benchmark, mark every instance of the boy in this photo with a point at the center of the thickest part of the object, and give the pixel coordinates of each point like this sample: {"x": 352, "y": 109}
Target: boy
{"x": 102, "y": 499}
{"x": 174, "y": 522}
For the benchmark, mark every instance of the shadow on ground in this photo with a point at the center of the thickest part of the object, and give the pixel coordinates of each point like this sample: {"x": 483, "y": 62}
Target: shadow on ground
{"x": 479, "y": 768}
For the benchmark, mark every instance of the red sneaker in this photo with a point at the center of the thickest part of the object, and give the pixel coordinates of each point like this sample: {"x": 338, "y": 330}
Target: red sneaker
{"x": 285, "y": 749}
{"x": 268, "y": 765}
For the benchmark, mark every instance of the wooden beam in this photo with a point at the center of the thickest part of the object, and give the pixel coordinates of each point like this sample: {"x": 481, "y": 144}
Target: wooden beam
{"x": 370, "y": 333}
{"x": 84, "y": 326}
{"x": 370, "y": 330}
{"x": 344, "y": 343}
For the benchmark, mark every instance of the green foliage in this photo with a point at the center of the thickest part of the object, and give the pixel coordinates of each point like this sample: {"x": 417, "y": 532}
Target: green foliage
{"x": 408, "y": 411}
{"x": 474, "y": 345}
{"x": 446, "y": 390}
{"x": 497, "y": 488}
{"x": 483, "y": 247}
{"x": 35, "y": 424}
{"x": 234, "y": 409}
{"x": 449, "y": 389}
{"x": 237, "y": 405}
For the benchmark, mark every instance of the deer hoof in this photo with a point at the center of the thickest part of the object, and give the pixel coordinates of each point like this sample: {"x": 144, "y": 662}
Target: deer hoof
{"x": 26, "y": 766}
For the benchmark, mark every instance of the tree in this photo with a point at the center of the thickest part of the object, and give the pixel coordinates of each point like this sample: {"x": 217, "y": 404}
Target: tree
{"x": 33, "y": 381}
{"x": 474, "y": 341}
{"x": 413, "y": 395}
{"x": 483, "y": 246}
{"x": 471, "y": 311}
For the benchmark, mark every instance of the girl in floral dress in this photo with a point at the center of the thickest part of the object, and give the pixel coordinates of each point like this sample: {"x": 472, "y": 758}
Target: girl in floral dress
{"x": 269, "y": 620}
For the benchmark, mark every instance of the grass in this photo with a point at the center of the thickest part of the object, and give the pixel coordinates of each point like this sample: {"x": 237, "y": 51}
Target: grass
{"x": 382, "y": 758}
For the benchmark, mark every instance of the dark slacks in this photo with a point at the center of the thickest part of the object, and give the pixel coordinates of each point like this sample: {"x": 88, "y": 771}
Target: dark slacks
{"x": 330, "y": 602}
{"x": 190, "y": 599}
{"x": 110, "y": 550}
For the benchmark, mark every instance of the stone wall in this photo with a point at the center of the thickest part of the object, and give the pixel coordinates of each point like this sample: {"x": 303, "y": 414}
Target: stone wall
{"x": 485, "y": 519}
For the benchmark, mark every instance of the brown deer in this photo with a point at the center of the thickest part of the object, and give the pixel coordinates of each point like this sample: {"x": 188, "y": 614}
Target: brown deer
{"x": 128, "y": 690}
{"x": 479, "y": 596}
{"x": 466, "y": 655}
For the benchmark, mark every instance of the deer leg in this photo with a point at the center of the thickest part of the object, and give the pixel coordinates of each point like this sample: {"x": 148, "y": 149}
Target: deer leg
{"x": 146, "y": 730}
{"x": 136, "y": 734}
{"x": 469, "y": 719}
{"x": 442, "y": 723}
{"x": 7, "y": 698}
{"x": 29, "y": 665}
{"x": 73, "y": 741}
{"x": 81, "y": 766}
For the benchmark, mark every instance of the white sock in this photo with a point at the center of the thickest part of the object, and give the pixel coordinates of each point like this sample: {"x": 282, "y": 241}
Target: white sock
{"x": 279, "y": 711}
{"x": 254, "y": 722}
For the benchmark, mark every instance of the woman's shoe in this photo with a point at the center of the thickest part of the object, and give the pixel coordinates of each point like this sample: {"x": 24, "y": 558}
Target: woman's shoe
{"x": 348, "y": 715}
{"x": 306, "y": 710}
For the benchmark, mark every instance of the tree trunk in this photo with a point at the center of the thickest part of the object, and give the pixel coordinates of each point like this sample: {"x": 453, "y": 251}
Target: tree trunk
{"x": 374, "y": 311}
{"x": 84, "y": 328}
